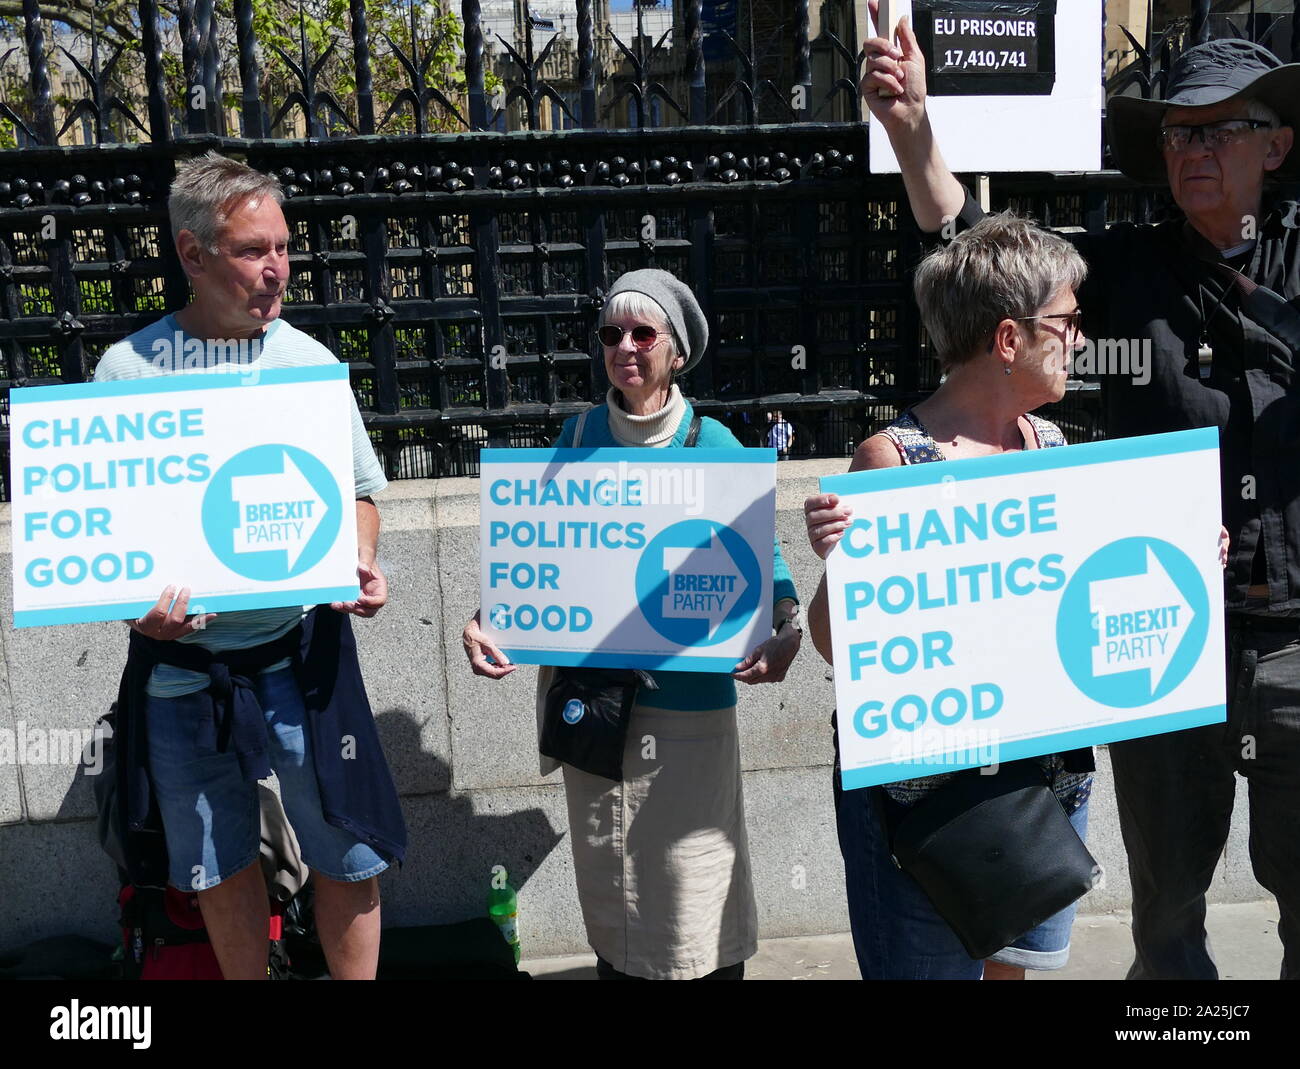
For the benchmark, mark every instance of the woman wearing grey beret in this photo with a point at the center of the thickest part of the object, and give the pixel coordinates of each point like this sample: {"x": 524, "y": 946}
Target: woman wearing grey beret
{"x": 661, "y": 856}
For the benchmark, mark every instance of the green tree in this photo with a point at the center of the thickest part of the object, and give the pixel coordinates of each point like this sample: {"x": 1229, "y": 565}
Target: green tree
{"x": 281, "y": 27}
{"x": 427, "y": 32}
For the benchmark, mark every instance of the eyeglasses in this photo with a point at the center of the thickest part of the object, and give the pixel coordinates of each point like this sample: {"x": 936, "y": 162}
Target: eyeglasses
{"x": 644, "y": 336}
{"x": 1212, "y": 134}
{"x": 1073, "y": 321}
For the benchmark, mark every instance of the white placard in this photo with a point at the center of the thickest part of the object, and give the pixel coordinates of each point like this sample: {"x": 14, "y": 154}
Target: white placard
{"x": 242, "y": 492}
{"x": 627, "y": 558}
{"x": 1021, "y": 128}
{"x": 1030, "y": 603}
{"x": 889, "y": 14}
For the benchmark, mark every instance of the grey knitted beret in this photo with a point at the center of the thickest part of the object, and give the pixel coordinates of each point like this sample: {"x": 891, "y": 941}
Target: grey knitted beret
{"x": 681, "y": 309}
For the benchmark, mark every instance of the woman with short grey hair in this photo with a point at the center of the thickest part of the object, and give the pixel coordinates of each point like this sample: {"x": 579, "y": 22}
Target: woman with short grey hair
{"x": 999, "y": 306}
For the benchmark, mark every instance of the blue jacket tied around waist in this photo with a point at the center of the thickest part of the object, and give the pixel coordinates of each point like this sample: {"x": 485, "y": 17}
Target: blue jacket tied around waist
{"x": 357, "y": 791}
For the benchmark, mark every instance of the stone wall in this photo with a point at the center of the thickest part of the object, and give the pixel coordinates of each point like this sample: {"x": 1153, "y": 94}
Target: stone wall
{"x": 464, "y": 756}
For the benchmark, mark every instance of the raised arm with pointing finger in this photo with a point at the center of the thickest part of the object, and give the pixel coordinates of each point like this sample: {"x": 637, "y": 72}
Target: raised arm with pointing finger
{"x": 893, "y": 88}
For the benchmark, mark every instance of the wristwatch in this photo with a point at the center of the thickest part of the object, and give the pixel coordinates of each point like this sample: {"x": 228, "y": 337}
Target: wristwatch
{"x": 795, "y": 620}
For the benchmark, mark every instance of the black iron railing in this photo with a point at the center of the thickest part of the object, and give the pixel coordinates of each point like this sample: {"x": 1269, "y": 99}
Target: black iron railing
{"x": 459, "y": 275}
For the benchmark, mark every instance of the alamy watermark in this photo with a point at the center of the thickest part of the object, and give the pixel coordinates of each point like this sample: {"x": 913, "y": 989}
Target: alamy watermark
{"x": 75, "y": 1021}
{"x": 937, "y": 749}
{"x": 181, "y": 352}
{"x": 1126, "y": 357}
{"x": 635, "y": 485}
{"x": 26, "y": 744}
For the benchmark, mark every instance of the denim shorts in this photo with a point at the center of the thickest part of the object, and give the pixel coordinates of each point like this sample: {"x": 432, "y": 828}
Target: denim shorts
{"x": 211, "y": 814}
{"x": 897, "y": 934}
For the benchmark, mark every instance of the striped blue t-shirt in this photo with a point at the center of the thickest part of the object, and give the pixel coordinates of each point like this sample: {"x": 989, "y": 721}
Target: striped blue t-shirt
{"x": 163, "y": 348}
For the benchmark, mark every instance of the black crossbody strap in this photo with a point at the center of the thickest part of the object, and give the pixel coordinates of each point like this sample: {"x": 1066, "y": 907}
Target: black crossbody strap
{"x": 693, "y": 435}
{"x": 1272, "y": 311}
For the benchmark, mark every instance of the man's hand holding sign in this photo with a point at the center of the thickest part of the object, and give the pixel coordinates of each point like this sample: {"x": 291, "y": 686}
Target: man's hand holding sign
{"x": 168, "y": 619}
{"x": 374, "y": 584}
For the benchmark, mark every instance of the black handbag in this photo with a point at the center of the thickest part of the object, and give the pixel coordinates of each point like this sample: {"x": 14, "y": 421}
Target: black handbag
{"x": 995, "y": 854}
{"x": 586, "y": 716}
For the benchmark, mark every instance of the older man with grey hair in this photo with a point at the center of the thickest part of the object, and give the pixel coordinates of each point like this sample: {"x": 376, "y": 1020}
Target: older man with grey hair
{"x": 1213, "y": 298}
{"x": 211, "y": 704}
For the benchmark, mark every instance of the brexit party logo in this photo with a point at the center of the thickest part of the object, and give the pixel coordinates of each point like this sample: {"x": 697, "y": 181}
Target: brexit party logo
{"x": 1132, "y": 622}
{"x": 272, "y": 512}
{"x": 698, "y": 583}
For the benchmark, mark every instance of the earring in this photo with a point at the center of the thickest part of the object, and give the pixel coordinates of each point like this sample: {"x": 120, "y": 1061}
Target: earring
{"x": 1006, "y": 370}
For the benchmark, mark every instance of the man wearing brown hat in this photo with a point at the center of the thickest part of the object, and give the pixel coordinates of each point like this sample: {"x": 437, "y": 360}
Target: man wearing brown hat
{"x": 1216, "y": 299}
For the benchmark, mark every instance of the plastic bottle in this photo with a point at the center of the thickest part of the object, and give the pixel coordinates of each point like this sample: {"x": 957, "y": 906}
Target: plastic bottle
{"x": 503, "y": 908}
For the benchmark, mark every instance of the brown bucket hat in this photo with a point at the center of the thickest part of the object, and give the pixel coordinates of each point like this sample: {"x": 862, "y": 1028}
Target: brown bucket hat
{"x": 1204, "y": 74}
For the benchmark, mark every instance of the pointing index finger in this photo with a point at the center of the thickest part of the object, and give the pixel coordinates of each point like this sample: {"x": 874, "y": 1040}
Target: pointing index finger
{"x": 907, "y": 39}
{"x": 885, "y": 15}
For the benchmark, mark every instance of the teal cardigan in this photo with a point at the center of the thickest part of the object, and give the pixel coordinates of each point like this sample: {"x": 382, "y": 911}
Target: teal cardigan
{"x": 683, "y": 690}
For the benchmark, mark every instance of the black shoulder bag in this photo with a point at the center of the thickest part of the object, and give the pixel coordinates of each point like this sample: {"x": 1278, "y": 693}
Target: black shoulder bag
{"x": 587, "y": 709}
{"x": 996, "y": 855}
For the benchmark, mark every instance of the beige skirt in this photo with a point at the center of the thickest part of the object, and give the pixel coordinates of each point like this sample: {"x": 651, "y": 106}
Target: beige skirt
{"x": 661, "y": 859}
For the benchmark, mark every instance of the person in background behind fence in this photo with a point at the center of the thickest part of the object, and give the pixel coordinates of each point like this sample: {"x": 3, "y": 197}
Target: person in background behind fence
{"x": 780, "y": 435}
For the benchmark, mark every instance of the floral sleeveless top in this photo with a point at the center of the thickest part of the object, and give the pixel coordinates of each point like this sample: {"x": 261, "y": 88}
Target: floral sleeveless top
{"x": 915, "y": 446}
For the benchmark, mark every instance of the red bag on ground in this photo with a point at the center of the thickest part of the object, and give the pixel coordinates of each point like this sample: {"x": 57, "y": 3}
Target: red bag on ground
{"x": 164, "y": 938}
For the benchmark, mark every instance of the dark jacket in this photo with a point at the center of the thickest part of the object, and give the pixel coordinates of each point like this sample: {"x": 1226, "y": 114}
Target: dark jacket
{"x": 356, "y": 788}
{"x": 1158, "y": 284}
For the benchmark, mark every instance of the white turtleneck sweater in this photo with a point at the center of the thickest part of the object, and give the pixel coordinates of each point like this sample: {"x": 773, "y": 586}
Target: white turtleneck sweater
{"x": 655, "y": 430}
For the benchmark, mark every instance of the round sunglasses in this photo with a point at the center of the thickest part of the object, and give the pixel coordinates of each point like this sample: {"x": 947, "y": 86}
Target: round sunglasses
{"x": 644, "y": 336}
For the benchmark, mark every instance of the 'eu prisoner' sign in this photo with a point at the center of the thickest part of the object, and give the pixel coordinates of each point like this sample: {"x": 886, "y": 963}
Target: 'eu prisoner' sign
{"x": 988, "y": 48}
{"x": 1003, "y": 78}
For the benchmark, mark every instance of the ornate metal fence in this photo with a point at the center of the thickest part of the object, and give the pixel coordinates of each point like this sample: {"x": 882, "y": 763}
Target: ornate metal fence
{"x": 459, "y": 274}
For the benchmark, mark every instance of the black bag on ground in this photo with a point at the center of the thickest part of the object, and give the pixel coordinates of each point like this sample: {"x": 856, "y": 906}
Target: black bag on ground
{"x": 586, "y": 717}
{"x": 163, "y": 934}
{"x": 996, "y": 855}
{"x": 59, "y": 957}
{"x": 470, "y": 950}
